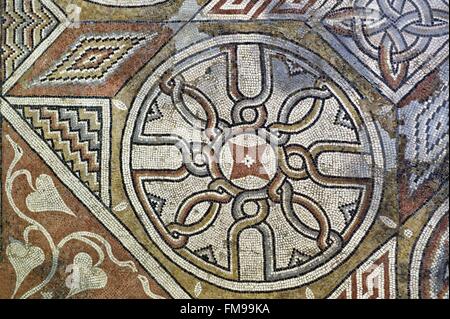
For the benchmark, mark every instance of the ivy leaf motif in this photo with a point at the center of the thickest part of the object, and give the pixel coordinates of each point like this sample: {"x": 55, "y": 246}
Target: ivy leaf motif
{"x": 46, "y": 197}
{"x": 24, "y": 258}
{"x": 85, "y": 276}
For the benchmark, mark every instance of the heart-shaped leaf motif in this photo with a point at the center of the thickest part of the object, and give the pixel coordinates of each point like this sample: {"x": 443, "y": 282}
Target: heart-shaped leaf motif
{"x": 46, "y": 197}
{"x": 24, "y": 258}
{"x": 85, "y": 276}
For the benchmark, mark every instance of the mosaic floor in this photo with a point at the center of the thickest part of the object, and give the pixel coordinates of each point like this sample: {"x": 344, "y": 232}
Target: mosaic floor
{"x": 224, "y": 149}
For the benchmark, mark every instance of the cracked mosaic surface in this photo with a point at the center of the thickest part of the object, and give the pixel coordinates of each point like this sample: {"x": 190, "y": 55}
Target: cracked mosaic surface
{"x": 224, "y": 149}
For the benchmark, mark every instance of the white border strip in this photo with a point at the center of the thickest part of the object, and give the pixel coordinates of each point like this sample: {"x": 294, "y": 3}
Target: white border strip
{"x": 105, "y": 154}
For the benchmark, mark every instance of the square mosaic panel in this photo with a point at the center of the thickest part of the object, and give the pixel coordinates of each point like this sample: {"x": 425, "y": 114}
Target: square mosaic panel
{"x": 224, "y": 149}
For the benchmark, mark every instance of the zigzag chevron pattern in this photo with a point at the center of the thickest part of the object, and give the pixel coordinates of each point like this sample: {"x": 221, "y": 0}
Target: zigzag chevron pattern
{"x": 26, "y": 24}
{"x": 74, "y": 134}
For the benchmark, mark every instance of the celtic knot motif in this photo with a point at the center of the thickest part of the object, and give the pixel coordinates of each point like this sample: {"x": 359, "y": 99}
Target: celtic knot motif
{"x": 393, "y": 33}
{"x": 249, "y": 177}
{"x": 277, "y": 151}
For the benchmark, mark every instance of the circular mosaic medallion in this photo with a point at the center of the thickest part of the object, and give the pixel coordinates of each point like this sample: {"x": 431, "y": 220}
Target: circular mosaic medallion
{"x": 251, "y": 164}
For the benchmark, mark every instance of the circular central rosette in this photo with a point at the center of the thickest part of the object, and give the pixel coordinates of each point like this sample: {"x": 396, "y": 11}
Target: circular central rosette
{"x": 248, "y": 161}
